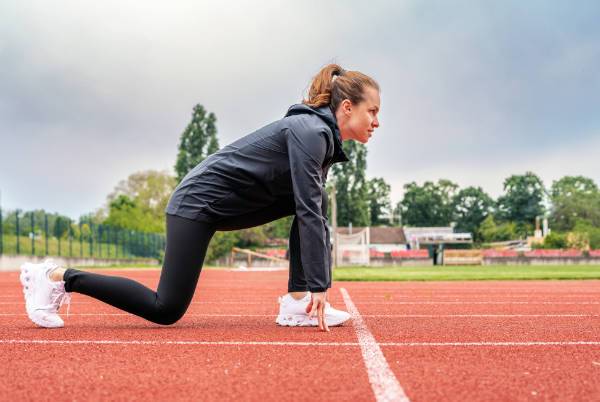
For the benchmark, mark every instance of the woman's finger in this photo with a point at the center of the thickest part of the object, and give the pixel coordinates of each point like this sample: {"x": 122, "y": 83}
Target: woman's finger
{"x": 325, "y": 327}
{"x": 313, "y": 310}
{"x": 320, "y": 317}
{"x": 309, "y": 307}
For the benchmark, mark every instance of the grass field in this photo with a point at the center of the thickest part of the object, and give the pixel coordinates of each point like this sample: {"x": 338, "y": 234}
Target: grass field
{"x": 439, "y": 273}
{"x": 466, "y": 273}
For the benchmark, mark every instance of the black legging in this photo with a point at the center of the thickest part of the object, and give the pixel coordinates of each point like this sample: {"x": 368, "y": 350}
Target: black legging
{"x": 187, "y": 241}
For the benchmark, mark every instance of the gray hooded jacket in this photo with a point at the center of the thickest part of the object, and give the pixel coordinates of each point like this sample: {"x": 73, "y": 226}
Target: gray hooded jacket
{"x": 285, "y": 160}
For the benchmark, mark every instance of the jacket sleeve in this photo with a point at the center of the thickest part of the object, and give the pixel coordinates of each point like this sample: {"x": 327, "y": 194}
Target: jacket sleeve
{"x": 307, "y": 150}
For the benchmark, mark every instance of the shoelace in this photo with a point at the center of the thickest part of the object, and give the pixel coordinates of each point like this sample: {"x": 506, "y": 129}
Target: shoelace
{"x": 59, "y": 297}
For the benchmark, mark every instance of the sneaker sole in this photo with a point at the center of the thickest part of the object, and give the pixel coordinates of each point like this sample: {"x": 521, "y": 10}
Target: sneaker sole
{"x": 304, "y": 321}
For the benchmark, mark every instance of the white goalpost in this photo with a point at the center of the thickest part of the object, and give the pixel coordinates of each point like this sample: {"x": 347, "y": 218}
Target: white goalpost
{"x": 353, "y": 249}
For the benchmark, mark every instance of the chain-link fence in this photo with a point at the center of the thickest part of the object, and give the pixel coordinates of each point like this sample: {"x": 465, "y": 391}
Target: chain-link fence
{"x": 41, "y": 234}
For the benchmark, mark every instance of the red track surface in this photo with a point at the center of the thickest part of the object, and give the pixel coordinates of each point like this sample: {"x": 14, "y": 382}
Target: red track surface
{"x": 442, "y": 341}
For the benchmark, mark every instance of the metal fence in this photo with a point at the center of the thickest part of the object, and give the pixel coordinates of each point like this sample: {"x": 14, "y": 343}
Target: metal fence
{"x": 41, "y": 234}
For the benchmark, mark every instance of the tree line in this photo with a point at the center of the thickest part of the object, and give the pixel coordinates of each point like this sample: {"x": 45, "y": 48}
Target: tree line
{"x": 571, "y": 204}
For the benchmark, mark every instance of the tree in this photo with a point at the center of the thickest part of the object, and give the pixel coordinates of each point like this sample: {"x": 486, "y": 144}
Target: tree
{"x": 220, "y": 245}
{"x": 592, "y": 233}
{"x": 351, "y": 186}
{"x": 279, "y": 229}
{"x": 553, "y": 240}
{"x": 489, "y": 231}
{"x": 125, "y": 213}
{"x": 198, "y": 141}
{"x": 570, "y": 186}
{"x": 150, "y": 191}
{"x": 522, "y": 201}
{"x": 471, "y": 206}
{"x": 61, "y": 226}
{"x": 428, "y": 205}
{"x": 574, "y": 199}
{"x": 379, "y": 201}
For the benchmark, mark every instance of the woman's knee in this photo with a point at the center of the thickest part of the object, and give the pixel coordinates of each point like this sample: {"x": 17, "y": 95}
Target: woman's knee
{"x": 169, "y": 313}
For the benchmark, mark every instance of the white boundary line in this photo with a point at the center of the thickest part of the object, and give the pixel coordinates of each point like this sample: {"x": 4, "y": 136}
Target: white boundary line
{"x": 288, "y": 343}
{"x": 434, "y": 303}
{"x": 383, "y": 381}
{"x": 364, "y": 315}
{"x": 428, "y": 344}
{"x": 206, "y": 343}
{"x": 481, "y": 302}
{"x": 481, "y": 315}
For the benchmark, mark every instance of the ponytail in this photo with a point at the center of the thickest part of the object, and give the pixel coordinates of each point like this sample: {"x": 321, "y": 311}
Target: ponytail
{"x": 333, "y": 84}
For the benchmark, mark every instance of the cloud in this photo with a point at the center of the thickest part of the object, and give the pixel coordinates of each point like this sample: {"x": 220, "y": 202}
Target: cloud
{"x": 90, "y": 93}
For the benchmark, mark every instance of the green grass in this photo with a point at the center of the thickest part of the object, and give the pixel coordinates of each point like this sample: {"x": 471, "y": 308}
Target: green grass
{"x": 119, "y": 266}
{"x": 467, "y": 273}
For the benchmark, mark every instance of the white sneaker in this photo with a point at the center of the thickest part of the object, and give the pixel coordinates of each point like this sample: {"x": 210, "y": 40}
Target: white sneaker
{"x": 43, "y": 296}
{"x": 292, "y": 313}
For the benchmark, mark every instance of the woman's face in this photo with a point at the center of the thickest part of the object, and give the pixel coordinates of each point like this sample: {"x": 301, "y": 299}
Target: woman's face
{"x": 358, "y": 122}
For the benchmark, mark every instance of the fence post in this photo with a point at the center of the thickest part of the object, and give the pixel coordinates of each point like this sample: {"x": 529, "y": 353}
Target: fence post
{"x": 32, "y": 234}
{"x": 99, "y": 241}
{"x": 117, "y": 231}
{"x": 80, "y": 240}
{"x": 46, "y": 232}
{"x": 70, "y": 240}
{"x": 91, "y": 240}
{"x": 18, "y": 242}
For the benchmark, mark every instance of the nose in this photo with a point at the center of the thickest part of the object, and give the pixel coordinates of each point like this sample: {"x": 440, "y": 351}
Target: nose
{"x": 376, "y": 122}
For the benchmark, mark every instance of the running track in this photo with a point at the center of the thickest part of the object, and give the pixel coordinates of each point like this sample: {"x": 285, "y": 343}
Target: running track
{"x": 417, "y": 341}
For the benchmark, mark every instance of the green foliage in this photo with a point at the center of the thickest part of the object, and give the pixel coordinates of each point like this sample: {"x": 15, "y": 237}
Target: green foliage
{"x": 378, "y": 194}
{"x": 574, "y": 199}
{"x": 351, "y": 186}
{"x": 61, "y": 227}
{"x": 125, "y": 213}
{"x": 279, "y": 229}
{"x": 251, "y": 237}
{"x": 139, "y": 202}
{"x": 522, "y": 201}
{"x": 198, "y": 141}
{"x": 471, "y": 206}
{"x": 428, "y": 205}
{"x": 592, "y": 233}
{"x": 9, "y": 222}
{"x": 554, "y": 240}
{"x": 490, "y": 231}
{"x": 220, "y": 245}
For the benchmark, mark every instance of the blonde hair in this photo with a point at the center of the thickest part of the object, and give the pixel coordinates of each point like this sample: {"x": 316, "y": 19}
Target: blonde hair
{"x": 333, "y": 84}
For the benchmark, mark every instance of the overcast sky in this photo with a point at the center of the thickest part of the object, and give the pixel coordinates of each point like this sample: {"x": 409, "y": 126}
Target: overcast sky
{"x": 472, "y": 91}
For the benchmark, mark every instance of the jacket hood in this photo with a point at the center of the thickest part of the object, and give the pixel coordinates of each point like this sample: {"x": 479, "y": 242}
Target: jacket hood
{"x": 328, "y": 118}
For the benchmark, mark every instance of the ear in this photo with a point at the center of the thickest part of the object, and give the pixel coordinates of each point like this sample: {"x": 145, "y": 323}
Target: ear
{"x": 346, "y": 106}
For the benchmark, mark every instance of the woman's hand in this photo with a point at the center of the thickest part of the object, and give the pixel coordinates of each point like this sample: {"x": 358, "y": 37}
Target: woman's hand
{"x": 317, "y": 306}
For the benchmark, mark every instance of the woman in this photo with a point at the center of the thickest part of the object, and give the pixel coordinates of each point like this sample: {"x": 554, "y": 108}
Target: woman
{"x": 279, "y": 170}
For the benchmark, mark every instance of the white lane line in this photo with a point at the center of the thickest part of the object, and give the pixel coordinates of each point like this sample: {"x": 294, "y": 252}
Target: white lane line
{"x": 383, "y": 381}
{"x": 286, "y": 343}
{"x": 479, "y": 315}
{"x": 482, "y": 302}
{"x": 200, "y": 343}
{"x": 559, "y": 343}
{"x": 364, "y": 315}
{"x": 474, "y": 296}
{"x": 131, "y": 315}
{"x": 385, "y": 303}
